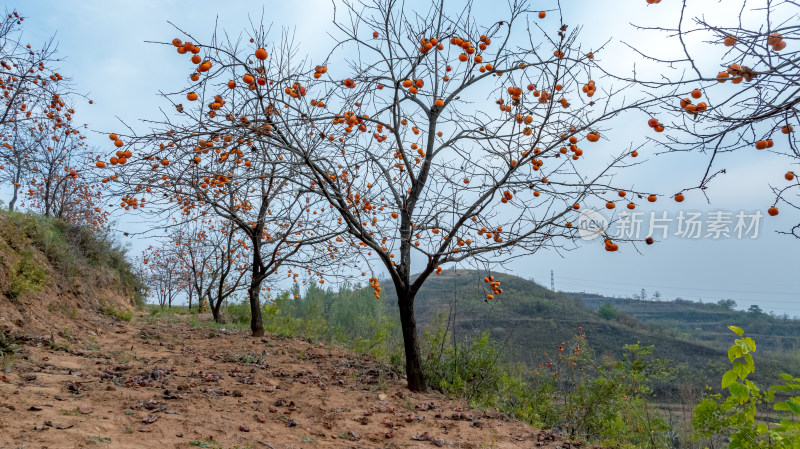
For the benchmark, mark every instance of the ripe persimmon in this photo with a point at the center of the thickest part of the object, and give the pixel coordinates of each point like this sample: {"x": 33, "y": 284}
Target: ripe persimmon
{"x": 261, "y": 54}
{"x": 679, "y": 198}
{"x": 772, "y": 211}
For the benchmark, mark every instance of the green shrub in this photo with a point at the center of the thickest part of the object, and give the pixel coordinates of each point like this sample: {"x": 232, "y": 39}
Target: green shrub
{"x": 237, "y": 312}
{"x": 734, "y": 417}
{"x": 608, "y": 312}
{"x": 26, "y": 276}
{"x": 8, "y": 344}
{"x": 471, "y": 369}
{"x": 119, "y": 315}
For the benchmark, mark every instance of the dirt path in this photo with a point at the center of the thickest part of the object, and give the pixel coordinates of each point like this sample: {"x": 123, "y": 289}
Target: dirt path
{"x": 168, "y": 385}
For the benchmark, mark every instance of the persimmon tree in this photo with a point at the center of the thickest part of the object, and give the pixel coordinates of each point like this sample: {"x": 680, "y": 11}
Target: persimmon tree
{"x": 31, "y": 98}
{"x": 26, "y": 75}
{"x": 205, "y": 160}
{"x": 433, "y": 138}
{"x": 43, "y": 155}
{"x": 423, "y": 139}
{"x": 737, "y": 86}
{"x": 60, "y": 180}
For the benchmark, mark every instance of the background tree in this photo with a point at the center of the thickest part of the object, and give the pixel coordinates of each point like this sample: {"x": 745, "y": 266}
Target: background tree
{"x": 608, "y": 312}
{"x": 211, "y": 255}
{"x": 60, "y": 180}
{"x": 163, "y": 275}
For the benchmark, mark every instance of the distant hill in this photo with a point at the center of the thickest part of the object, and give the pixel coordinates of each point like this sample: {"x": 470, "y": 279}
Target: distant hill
{"x": 534, "y": 320}
{"x": 706, "y": 322}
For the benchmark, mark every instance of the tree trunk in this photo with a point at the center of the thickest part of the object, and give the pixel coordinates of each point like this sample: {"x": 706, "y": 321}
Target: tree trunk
{"x": 216, "y": 306}
{"x": 416, "y": 378}
{"x": 13, "y": 201}
{"x": 256, "y": 325}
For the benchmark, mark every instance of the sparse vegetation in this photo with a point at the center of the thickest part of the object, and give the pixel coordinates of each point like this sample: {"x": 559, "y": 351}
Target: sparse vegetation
{"x": 42, "y": 250}
{"x": 26, "y": 276}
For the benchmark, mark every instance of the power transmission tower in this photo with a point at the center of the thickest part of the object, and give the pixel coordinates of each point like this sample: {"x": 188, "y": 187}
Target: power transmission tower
{"x": 552, "y": 282}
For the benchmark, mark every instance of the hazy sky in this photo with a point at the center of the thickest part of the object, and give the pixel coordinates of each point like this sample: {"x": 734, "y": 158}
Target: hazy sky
{"x": 105, "y": 54}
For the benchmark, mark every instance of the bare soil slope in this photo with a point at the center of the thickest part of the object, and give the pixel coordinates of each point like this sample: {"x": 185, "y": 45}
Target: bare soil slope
{"x": 53, "y": 275}
{"x": 169, "y": 385}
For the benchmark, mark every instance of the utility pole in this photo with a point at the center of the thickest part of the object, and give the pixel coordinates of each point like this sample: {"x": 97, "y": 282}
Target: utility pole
{"x": 552, "y": 282}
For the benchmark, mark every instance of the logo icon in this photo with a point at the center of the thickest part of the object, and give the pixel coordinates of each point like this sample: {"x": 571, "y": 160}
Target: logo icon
{"x": 591, "y": 224}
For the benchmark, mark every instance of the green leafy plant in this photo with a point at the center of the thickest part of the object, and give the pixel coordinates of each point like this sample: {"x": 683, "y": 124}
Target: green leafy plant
{"x": 734, "y": 417}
